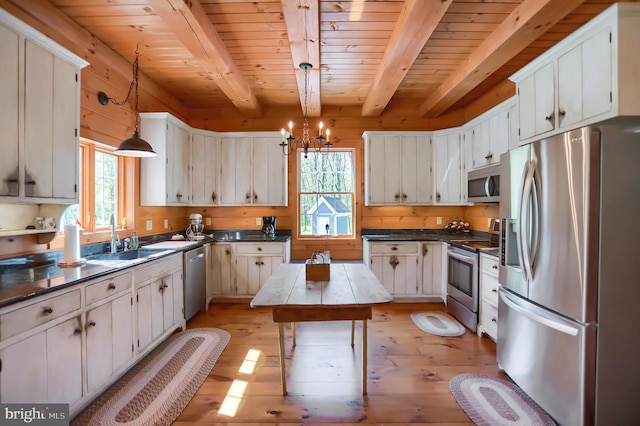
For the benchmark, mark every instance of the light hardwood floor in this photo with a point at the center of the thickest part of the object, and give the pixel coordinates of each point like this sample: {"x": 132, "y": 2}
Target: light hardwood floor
{"x": 408, "y": 373}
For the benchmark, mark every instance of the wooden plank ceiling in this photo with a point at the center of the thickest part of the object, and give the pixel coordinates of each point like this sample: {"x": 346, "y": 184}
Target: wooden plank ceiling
{"x": 435, "y": 54}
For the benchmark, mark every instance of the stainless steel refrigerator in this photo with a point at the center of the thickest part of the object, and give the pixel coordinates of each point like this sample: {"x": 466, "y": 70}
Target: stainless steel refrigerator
{"x": 569, "y": 300}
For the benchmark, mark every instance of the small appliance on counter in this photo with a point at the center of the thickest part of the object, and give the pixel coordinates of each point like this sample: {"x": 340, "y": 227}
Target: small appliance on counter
{"x": 195, "y": 231}
{"x": 269, "y": 226}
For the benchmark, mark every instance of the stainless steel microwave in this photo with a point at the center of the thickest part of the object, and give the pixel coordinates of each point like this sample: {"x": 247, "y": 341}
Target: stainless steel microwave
{"x": 484, "y": 185}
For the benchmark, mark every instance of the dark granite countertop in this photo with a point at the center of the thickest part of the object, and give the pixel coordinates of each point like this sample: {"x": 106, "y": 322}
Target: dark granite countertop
{"x": 34, "y": 275}
{"x": 443, "y": 235}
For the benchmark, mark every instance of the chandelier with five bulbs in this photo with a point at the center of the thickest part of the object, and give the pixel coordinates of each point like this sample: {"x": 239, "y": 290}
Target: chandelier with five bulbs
{"x": 290, "y": 143}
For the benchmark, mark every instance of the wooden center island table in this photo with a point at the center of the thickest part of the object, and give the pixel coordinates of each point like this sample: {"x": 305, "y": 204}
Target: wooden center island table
{"x": 349, "y": 295}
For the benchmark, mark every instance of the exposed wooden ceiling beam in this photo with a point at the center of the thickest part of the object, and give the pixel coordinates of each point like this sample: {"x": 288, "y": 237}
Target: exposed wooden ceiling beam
{"x": 525, "y": 24}
{"x": 302, "y": 18}
{"x": 417, "y": 21}
{"x": 191, "y": 25}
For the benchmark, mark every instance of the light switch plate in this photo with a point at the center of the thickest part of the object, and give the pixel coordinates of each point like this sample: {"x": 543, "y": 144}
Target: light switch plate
{"x": 207, "y": 221}
{"x": 149, "y": 225}
{"x": 166, "y": 223}
{"x": 439, "y": 220}
{"x": 258, "y": 221}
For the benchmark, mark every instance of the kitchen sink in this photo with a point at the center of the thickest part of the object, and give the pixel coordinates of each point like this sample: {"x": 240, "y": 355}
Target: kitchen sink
{"x": 140, "y": 253}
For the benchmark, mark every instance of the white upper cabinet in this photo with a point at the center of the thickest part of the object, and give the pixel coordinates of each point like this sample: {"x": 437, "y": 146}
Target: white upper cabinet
{"x": 205, "y": 150}
{"x": 253, "y": 169}
{"x": 588, "y": 77}
{"x": 398, "y": 168}
{"x": 490, "y": 135}
{"x": 449, "y": 171}
{"x": 165, "y": 179}
{"x": 39, "y": 116}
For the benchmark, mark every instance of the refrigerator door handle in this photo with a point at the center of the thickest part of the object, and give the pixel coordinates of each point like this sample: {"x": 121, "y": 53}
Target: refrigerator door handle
{"x": 546, "y": 320}
{"x": 524, "y": 217}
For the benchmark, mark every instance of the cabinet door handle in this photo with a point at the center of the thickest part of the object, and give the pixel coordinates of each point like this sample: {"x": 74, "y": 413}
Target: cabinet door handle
{"x": 425, "y": 250}
{"x": 397, "y": 196}
{"x": 77, "y": 331}
{"x": 179, "y": 196}
{"x": 11, "y": 180}
{"x": 259, "y": 248}
{"x": 111, "y": 286}
{"x": 488, "y": 157}
{"x": 30, "y": 182}
{"x": 262, "y": 263}
{"x": 257, "y": 263}
{"x": 494, "y": 290}
{"x": 47, "y": 310}
{"x": 562, "y": 113}
{"x": 494, "y": 319}
{"x": 91, "y": 324}
{"x": 437, "y": 196}
{"x": 404, "y": 196}
{"x": 494, "y": 267}
{"x": 394, "y": 248}
{"x": 247, "y": 197}
{"x": 213, "y": 197}
{"x": 227, "y": 252}
{"x": 255, "y": 197}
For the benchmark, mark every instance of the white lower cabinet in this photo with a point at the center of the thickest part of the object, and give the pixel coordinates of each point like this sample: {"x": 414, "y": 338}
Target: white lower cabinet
{"x": 159, "y": 300}
{"x": 241, "y": 269}
{"x": 70, "y": 345}
{"x": 408, "y": 269}
{"x": 45, "y": 366}
{"x": 221, "y": 270}
{"x": 488, "y": 296}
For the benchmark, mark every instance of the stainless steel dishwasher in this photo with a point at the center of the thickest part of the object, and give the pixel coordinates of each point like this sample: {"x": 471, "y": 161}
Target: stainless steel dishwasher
{"x": 195, "y": 284}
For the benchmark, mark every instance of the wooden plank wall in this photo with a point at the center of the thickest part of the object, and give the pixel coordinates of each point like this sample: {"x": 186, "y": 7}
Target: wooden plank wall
{"x": 111, "y": 73}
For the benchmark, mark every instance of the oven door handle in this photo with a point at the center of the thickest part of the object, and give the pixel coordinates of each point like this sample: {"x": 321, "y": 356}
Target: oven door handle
{"x": 463, "y": 258}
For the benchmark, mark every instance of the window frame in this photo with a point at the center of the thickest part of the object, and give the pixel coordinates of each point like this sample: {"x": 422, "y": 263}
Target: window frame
{"x": 88, "y": 149}
{"x": 299, "y": 194}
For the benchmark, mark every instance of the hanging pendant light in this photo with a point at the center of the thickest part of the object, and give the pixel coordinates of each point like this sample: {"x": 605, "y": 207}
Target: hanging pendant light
{"x": 290, "y": 144}
{"x": 134, "y": 146}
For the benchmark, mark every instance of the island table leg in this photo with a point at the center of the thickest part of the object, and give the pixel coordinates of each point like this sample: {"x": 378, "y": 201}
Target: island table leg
{"x": 282, "y": 372}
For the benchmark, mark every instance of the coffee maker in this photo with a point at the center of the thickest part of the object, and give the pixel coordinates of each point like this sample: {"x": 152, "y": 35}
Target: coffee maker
{"x": 269, "y": 226}
{"x": 195, "y": 231}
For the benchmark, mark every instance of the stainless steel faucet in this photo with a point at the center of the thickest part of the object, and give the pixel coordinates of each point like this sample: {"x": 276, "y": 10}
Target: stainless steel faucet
{"x": 115, "y": 240}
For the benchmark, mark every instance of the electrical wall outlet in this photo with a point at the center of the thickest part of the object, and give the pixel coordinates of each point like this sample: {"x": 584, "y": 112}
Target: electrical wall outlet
{"x": 166, "y": 223}
{"x": 258, "y": 221}
{"x": 149, "y": 225}
{"x": 439, "y": 220}
{"x": 207, "y": 221}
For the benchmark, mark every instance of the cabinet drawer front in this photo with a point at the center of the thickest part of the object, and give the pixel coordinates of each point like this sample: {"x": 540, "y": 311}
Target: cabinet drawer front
{"x": 258, "y": 249}
{"x": 31, "y": 316}
{"x": 489, "y": 319}
{"x": 107, "y": 287}
{"x": 158, "y": 267}
{"x": 489, "y": 265}
{"x": 489, "y": 286}
{"x": 399, "y": 248}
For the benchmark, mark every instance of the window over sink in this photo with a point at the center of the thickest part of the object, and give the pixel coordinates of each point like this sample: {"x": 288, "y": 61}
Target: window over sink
{"x": 102, "y": 187}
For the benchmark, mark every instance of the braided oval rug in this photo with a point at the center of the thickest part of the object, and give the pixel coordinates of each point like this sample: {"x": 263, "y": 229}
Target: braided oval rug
{"x": 157, "y": 389}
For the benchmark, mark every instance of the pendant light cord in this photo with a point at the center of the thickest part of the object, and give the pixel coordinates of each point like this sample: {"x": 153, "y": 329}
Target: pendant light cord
{"x": 134, "y": 84}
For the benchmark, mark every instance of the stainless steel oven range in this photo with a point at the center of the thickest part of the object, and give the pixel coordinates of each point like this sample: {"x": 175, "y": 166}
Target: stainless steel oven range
{"x": 463, "y": 262}
{"x": 462, "y": 285}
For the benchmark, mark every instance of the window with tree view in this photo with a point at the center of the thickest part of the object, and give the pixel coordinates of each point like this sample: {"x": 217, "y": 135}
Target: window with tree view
{"x": 326, "y": 193}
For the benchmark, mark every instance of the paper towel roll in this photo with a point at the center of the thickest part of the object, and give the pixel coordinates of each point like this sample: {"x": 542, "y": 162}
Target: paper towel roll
{"x": 71, "y": 243}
